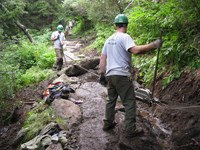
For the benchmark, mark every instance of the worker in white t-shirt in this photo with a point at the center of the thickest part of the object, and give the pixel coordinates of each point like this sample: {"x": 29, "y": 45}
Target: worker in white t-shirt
{"x": 58, "y": 37}
{"x": 115, "y": 69}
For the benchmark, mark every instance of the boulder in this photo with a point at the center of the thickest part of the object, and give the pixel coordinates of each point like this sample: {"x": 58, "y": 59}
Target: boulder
{"x": 82, "y": 67}
{"x": 68, "y": 111}
{"x": 65, "y": 79}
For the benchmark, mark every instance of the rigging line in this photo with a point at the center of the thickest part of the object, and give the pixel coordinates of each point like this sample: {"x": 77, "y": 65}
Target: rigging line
{"x": 82, "y": 67}
{"x": 87, "y": 70}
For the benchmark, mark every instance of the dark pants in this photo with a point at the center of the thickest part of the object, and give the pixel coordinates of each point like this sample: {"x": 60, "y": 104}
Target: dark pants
{"x": 121, "y": 86}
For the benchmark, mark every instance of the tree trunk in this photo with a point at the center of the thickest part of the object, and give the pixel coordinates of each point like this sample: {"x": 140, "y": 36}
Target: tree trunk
{"x": 25, "y": 30}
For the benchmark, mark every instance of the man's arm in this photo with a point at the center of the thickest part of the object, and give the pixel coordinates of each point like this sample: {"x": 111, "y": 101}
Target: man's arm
{"x": 138, "y": 49}
{"x": 102, "y": 64}
{"x": 54, "y": 37}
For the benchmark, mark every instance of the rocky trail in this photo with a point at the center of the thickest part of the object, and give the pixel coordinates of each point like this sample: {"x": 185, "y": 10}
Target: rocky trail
{"x": 172, "y": 124}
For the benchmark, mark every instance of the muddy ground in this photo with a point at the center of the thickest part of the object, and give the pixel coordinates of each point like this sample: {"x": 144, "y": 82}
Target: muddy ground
{"x": 173, "y": 124}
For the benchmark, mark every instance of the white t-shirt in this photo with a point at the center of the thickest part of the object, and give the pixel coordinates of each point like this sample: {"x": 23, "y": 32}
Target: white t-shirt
{"x": 118, "y": 57}
{"x": 57, "y": 43}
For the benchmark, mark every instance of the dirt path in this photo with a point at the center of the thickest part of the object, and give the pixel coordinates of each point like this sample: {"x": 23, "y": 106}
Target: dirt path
{"x": 155, "y": 121}
{"x": 161, "y": 123}
{"x": 91, "y": 135}
{"x": 173, "y": 125}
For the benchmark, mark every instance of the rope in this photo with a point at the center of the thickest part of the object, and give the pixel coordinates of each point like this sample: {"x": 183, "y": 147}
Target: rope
{"x": 88, "y": 70}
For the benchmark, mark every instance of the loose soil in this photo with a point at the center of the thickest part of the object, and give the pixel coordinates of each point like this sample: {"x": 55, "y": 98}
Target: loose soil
{"x": 173, "y": 124}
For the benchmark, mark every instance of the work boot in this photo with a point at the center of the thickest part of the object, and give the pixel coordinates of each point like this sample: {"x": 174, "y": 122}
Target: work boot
{"x": 109, "y": 127}
{"x": 54, "y": 68}
{"x": 59, "y": 63}
{"x": 136, "y": 132}
{"x": 59, "y": 68}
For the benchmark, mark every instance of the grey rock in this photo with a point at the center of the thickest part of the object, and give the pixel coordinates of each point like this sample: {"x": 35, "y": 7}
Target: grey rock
{"x": 82, "y": 67}
{"x": 68, "y": 111}
{"x": 65, "y": 79}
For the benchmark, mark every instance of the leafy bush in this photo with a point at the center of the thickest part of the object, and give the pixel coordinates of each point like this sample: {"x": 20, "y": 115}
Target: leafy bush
{"x": 23, "y": 64}
{"x": 46, "y": 60}
{"x": 42, "y": 37}
{"x": 27, "y": 55}
{"x": 179, "y": 25}
{"x": 82, "y": 25}
{"x": 103, "y": 32}
{"x": 7, "y": 88}
{"x": 33, "y": 75}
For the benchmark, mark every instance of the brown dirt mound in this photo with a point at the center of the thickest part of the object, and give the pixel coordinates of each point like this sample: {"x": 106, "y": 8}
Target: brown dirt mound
{"x": 186, "y": 89}
{"x": 181, "y": 113}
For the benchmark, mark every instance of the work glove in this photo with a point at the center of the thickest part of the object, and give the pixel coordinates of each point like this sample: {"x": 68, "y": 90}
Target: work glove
{"x": 102, "y": 79}
{"x": 158, "y": 43}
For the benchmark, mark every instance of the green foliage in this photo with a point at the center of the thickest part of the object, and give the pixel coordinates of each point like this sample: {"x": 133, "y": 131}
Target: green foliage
{"x": 97, "y": 11}
{"x": 8, "y": 86}
{"x": 33, "y": 14}
{"x": 179, "y": 24}
{"x": 41, "y": 13}
{"x": 1, "y": 38}
{"x": 28, "y": 55}
{"x": 146, "y": 65}
{"x": 10, "y": 11}
{"x": 89, "y": 14}
{"x": 34, "y": 75}
{"x": 175, "y": 74}
{"x": 103, "y": 32}
{"x": 46, "y": 60}
{"x": 38, "y": 118}
{"x": 42, "y": 37}
{"x": 24, "y": 64}
{"x": 80, "y": 26}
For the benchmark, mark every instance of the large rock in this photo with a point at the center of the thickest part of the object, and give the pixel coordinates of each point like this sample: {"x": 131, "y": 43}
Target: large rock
{"x": 91, "y": 90}
{"x": 68, "y": 111}
{"x": 64, "y": 78}
{"x": 82, "y": 67}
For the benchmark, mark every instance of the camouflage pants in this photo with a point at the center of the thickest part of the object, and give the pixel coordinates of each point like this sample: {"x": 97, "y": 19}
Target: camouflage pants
{"x": 59, "y": 58}
{"x": 121, "y": 86}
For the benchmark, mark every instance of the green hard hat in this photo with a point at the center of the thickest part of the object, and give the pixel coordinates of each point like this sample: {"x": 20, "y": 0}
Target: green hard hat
{"x": 60, "y": 27}
{"x": 121, "y": 18}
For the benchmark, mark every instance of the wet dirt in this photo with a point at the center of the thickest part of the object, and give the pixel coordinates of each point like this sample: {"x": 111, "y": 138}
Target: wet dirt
{"x": 181, "y": 109}
{"x": 173, "y": 124}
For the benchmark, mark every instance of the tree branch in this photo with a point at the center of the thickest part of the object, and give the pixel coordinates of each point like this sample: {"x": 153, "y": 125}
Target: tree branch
{"x": 25, "y": 30}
